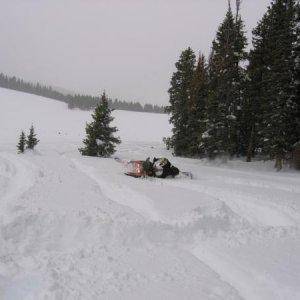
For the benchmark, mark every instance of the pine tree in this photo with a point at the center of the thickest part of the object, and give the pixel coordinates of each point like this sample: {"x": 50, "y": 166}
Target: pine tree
{"x": 99, "y": 139}
{"x": 226, "y": 80}
{"x": 297, "y": 66}
{"x": 22, "y": 143}
{"x": 257, "y": 70}
{"x": 197, "y": 109}
{"x": 272, "y": 75}
{"x": 240, "y": 82}
{"x": 180, "y": 92}
{"x": 32, "y": 141}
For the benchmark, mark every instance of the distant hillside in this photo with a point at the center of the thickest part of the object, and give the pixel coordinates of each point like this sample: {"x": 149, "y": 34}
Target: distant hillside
{"x": 84, "y": 102}
{"x": 63, "y": 90}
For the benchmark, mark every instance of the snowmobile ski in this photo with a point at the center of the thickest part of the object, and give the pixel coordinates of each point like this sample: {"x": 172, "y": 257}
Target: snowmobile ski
{"x": 187, "y": 174}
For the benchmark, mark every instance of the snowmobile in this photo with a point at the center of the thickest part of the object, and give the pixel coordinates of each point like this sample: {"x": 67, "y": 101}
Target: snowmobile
{"x": 159, "y": 167}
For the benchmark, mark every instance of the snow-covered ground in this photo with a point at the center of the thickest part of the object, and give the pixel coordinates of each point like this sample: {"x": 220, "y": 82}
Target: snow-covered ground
{"x": 74, "y": 227}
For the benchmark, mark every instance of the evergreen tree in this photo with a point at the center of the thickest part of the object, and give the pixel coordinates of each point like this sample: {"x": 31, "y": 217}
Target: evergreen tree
{"x": 257, "y": 70}
{"x": 297, "y": 66}
{"x": 32, "y": 141}
{"x": 197, "y": 109}
{"x": 180, "y": 92}
{"x": 99, "y": 135}
{"x": 226, "y": 80}
{"x": 272, "y": 75}
{"x": 22, "y": 143}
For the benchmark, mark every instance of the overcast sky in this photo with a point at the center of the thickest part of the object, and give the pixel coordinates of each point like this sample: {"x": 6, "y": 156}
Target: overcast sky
{"x": 127, "y": 47}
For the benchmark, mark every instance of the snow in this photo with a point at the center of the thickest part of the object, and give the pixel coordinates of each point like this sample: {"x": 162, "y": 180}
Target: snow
{"x": 74, "y": 227}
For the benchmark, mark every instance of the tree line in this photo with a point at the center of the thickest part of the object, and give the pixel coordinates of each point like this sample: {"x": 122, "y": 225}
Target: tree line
{"x": 239, "y": 103}
{"x": 84, "y": 102}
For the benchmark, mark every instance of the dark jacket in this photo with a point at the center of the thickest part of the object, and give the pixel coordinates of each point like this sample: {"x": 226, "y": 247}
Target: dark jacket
{"x": 167, "y": 168}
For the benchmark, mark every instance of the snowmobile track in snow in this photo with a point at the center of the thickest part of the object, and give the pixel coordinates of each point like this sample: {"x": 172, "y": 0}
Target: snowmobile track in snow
{"x": 18, "y": 175}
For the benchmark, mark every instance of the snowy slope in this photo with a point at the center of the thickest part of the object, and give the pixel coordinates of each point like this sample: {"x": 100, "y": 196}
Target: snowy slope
{"x": 74, "y": 227}
{"x": 57, "y": 124}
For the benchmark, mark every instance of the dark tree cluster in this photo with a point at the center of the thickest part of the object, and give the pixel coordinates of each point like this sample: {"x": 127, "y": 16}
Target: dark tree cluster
{"x": 238, "y": 103}
{"x": 84, "y": 102}
{"x": 28, "y": 142}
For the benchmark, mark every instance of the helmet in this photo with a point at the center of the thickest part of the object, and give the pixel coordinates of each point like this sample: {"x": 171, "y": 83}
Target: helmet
{"x": 162, "y": 161}
{"x": 158, "y": 169}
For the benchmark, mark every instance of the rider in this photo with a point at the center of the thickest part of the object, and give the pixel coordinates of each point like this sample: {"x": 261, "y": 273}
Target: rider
{"x": 160, "y": 167}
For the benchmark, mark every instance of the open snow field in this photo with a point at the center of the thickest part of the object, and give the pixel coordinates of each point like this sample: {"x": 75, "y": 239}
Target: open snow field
{"x": 74, "y": 227}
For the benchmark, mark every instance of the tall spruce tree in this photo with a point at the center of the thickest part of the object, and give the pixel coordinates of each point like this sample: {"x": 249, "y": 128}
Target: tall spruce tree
{"x": 256, "y": 71}
{"x": 197, "y": 108}
{"x": 180, "y": 93}
{"x": 100, "y": 140}
{"x": 297, "y": 66}
{"x": 31, "y": 141}
{"x": 22, "y": 143}
{"x": 226, "y": 80}
{"x": 273, "y": 86}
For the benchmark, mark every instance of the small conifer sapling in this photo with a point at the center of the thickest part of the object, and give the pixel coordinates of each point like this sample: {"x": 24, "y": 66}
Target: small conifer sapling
{"x": 32, "y": 141}
{"x": 22, "y": 143}
{"x": 100, "y": 139}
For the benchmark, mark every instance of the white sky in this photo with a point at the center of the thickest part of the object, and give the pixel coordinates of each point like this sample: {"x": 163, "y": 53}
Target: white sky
{"x": 127, "y": 47}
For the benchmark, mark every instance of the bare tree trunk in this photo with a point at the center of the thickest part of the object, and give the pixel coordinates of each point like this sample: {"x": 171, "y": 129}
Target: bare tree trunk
{"x": 238, "y": 8}
{"x": 250, "y": 146}
{"x": 278, "y": 162}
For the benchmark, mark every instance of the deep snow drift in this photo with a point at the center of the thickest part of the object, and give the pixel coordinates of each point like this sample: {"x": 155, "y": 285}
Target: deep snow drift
{"x": 74, "y": 227}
